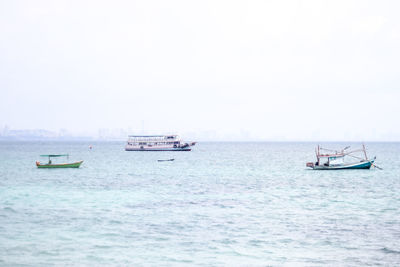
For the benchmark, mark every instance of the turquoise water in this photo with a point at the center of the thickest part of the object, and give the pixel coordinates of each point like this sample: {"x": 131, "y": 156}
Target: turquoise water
{"x": 234, "y": 204}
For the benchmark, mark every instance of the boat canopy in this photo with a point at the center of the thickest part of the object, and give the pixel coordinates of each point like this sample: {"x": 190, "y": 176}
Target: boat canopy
{"x": 338, "y": 156}
{"x": 330, "y": 155}
{"x": 55, "y": 155}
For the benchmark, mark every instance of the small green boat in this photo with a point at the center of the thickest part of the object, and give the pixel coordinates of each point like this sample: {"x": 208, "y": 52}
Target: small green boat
{"x": 58, "y": 165}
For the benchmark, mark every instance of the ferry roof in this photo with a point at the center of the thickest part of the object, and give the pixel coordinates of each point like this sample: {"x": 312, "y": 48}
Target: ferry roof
{"x": 150, "y": 135}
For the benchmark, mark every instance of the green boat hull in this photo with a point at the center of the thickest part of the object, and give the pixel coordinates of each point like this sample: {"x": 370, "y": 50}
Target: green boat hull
{"x": 62, "y": 165}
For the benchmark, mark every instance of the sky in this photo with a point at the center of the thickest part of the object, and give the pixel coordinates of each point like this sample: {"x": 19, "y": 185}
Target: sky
{"x": 234, "y": 70}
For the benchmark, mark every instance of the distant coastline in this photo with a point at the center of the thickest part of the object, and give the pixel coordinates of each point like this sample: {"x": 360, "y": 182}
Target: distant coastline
{"x": 120, "y": 135}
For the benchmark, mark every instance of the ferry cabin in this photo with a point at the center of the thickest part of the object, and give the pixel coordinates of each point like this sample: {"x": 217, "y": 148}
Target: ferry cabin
{"x": 156, "y": 143}
{"x": 153, "y": 140}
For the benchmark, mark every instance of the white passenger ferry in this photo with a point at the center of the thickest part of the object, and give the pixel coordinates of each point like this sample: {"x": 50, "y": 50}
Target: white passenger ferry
{"x": 157, "y": 143}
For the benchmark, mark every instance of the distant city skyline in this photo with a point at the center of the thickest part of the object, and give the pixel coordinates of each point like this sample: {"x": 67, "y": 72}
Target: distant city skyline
{"x": 7, "y": 133}
{"x": 224, "y": 70}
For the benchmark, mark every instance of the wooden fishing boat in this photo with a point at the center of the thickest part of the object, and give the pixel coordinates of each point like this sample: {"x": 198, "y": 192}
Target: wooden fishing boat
{"x": 335, "y": 160}
{"x": 50, "y": 164}
{"x": 161, "y": 160}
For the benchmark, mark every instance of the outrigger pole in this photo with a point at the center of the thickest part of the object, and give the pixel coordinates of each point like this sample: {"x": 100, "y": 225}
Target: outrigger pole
{"x": 373, "y": 164}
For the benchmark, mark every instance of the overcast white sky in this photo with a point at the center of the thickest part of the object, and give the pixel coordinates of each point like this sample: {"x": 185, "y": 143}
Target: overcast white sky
{"x": 268, "y": 70}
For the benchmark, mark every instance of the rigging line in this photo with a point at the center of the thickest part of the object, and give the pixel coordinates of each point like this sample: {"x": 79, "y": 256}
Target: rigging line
{"x": 367, "y": 160}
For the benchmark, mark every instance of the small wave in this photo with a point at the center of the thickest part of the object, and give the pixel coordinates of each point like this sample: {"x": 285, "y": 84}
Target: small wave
{"x": 48, "y": 253}
{"x": 102, "y": 246}
{"x": 110, "y": 234}
{"x": 255, "y": 243}
{"x": 390, "y": 251}
{"x": 9, "y": 209}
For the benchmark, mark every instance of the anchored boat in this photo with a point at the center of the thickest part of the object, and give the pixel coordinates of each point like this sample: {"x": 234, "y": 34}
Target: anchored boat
{"x": 162, "y": 160}
{"x": 50, "y": 164}
{"x": 157, "y": 143}
{"x": 336, "y": 160}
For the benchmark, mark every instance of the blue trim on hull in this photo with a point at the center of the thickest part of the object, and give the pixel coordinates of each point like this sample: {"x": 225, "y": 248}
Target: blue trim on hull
{"x": 361, "y": 165}
{"x": 366, "y": 165}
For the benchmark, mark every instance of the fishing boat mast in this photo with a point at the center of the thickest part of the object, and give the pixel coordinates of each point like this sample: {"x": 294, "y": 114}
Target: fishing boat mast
{"x": 365, "y": 152}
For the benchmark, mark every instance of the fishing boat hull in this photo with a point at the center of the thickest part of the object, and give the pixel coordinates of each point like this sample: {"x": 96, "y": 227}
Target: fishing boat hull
{"x": 357, "y": 165}
{"x": 61, "y": 165}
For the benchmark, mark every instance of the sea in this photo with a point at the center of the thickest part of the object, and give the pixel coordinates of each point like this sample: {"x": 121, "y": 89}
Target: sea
{"x": 222, "y": 204}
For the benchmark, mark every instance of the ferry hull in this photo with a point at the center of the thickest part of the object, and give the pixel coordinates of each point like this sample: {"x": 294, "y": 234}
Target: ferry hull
{"x": 157, "y": 149}
{"x": 358, "y": 165}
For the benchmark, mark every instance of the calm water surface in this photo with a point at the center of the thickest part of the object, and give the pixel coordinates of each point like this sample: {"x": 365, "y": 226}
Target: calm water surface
{"x": 235, "y": 204}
